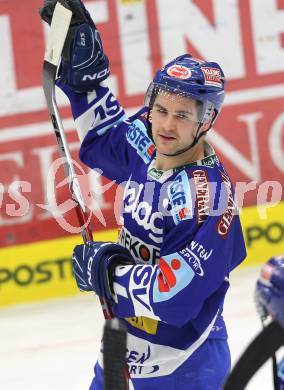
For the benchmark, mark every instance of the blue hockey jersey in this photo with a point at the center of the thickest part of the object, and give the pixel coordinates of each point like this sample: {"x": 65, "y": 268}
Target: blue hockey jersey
{"x": 181, "y": 226}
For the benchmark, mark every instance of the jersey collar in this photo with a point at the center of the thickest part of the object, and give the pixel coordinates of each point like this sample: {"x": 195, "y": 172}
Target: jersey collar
{"x": 161, "y": 176}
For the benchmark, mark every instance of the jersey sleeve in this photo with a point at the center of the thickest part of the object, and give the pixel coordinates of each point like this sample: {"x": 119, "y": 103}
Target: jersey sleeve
{"x": 103, "y": 127}
{"x": 196, "y": 259}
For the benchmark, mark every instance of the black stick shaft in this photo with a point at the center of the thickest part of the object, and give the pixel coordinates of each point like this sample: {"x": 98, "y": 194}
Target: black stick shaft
{"x": 114, "y": 352}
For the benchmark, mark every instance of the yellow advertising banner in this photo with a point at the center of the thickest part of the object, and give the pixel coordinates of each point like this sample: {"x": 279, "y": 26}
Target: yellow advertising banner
{"x": 263, "y": 229}
{"x": 43, "y": 270}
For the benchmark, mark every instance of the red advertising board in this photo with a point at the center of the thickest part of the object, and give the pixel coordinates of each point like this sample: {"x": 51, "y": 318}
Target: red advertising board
{"x": 245, "y": 36}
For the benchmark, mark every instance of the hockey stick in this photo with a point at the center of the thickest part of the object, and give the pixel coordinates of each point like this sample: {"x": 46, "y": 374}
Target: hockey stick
{"x": 274, "y": 361}
{"x": 58, "y": 32}
{"x": 56, "y": 38}
{"x": 114, "y": 351}
{"x": 257, "y": 353}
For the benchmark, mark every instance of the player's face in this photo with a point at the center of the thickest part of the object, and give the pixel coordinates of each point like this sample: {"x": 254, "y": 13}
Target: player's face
{"x": 174, "y": 122}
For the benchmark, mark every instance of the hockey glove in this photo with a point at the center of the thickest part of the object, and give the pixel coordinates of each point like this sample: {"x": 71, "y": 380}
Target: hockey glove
{"x": 84, "y": 64}
{"x": 79, "y": 11}
{"x": 269, "y": 293}
{"x": 94, "y": 266}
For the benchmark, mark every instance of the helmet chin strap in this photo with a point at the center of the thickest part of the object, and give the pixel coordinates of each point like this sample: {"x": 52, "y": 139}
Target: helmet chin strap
{"x": 194, "y": 142}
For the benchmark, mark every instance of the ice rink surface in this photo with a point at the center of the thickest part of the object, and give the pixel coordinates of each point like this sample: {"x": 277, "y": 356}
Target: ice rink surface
{"x": 53, "y": 344}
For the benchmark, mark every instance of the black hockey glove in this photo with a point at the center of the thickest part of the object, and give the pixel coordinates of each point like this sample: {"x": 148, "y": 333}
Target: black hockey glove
{"x": 84, "y": 64}
{"x": 94, "y": 266}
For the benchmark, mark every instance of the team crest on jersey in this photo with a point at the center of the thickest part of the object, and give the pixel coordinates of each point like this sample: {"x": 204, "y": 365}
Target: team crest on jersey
{"x": 180, "y": 198}
{"x": 174, "y": 275}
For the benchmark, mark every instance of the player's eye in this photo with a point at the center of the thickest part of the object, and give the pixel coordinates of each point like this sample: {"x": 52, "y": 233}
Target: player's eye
{"x": 161, "y": 110}
{"x": 183, "y": 116}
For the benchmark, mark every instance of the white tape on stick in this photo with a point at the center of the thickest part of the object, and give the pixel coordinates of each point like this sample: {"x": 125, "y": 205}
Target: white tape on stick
{"x": 58, "y": 30}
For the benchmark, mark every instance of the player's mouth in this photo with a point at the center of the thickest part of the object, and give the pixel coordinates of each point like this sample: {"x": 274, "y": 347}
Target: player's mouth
{"x": 166, "y": 137}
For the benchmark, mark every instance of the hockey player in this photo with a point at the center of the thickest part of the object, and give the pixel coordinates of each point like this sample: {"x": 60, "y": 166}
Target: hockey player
{"x": 269, "y": 298}
{"x": 168, "y": 275}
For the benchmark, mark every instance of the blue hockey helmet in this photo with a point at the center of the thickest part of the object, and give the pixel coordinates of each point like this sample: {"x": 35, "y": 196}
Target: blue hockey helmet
{"x": 190, "y": 77}
{"x": 269, "y": 293}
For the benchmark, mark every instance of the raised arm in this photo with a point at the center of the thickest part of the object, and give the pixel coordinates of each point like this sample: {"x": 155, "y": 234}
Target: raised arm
{"x": 100, "y": 120}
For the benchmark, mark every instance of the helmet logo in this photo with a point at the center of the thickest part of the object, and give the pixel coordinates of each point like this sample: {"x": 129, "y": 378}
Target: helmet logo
{"x": 212, "y": 76}
{"x": 179, "y": 71}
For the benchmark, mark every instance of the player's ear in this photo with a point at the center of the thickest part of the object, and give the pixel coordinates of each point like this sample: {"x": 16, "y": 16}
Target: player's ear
{"x": 206, "y": 126}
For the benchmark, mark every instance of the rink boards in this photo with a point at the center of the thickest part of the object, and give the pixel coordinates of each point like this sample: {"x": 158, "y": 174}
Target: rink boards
{"x": 43, "y": 270}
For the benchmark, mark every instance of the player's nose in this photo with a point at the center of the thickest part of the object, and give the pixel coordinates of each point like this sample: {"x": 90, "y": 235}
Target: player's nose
{"x": 169, "y": 123}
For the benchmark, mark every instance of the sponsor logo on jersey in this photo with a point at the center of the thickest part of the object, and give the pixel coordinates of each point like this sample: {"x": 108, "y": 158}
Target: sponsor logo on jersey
{"x": 173, "y": 276}
{"x": 136, "y": 359}
{"x": 106, "y": 112}
{"x": 202, "y": 195}
{"x": 212, "y": 76}
{"x": 155, "y": 173}
{"x": 141, "y": 252}
{"x": 140, "y": 141}
{"x": 210, "y": 161}
{"x": 195, "y": 253}
{"x": 226, "y": 220}
{"x": 151, "y": 150}
{"x": 179, "y": 72}
{"x": 146, "y": 324}
{"x": 180, "y": 198}
{"x": 141, "y": 211}
{"x": 139, "y": 286}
